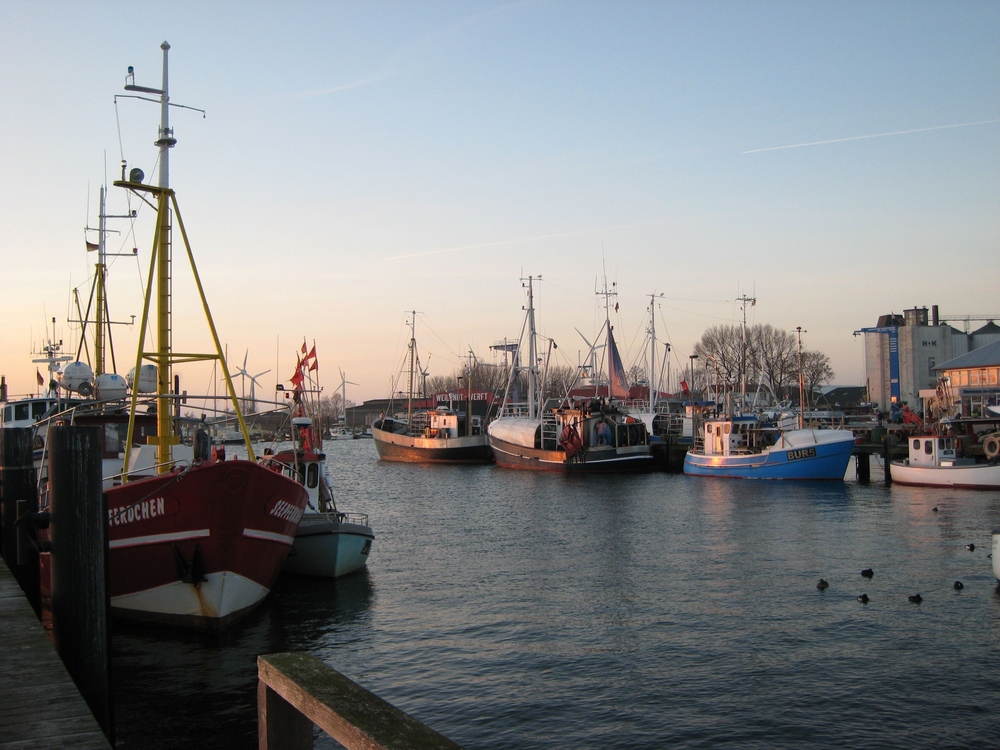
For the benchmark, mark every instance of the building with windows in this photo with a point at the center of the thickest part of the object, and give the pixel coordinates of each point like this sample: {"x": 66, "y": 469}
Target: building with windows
{"x": 904, "y": 354}
{"x": 973, "y": 380}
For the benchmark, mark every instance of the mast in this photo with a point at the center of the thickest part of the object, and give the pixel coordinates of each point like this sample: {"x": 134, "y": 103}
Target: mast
{"x": 413, "y": 357}
{"x": 101, "y": 270}
{"x": 743, "y": 348}
{"x": 802, "y": 384}
{"x": 654, "y": 381}
{"x": 533, "y": 411}
{"x": 160, "y": 268}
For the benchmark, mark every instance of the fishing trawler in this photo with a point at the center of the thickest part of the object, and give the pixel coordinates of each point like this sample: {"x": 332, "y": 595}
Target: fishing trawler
{"x": 440, "y": 435}
{"x": 936, "y": 461}
{"x": 767, "y": 446}
{"x": 328, "y": 542}
{"x": 195, "y": 541}
{"x": 579, "y": 435}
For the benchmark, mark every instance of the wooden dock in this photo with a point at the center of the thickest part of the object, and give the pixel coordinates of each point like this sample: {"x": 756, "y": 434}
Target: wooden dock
{"x": 40, "y": 705}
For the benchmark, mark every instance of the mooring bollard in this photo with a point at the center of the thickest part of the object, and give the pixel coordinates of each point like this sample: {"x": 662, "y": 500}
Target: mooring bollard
{"x": 78, "y": 531}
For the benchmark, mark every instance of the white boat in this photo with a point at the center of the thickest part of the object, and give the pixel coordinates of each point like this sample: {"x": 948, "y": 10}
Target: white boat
{"x": 996, "y": 555}
{"x": 935, "y": 461}
{"x": 573, "y": 435}
{"x": 439, "y": 435}
{"x": 328, "y": 542}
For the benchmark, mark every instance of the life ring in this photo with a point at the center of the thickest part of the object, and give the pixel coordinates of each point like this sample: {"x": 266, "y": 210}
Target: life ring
{"x": 570, "y": 440}
{"x": 991, "y": 446}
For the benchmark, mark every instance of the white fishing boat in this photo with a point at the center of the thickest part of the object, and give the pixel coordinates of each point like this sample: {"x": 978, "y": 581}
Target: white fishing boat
{"x": 935, "y": 461}
{"x": 328, "y": 542}
{"x": 440, "y": 435}
{"x": 575, "y": 435}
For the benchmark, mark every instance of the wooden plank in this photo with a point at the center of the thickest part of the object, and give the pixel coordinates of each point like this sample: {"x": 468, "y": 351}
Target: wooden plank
{"x": 39, "y": 704}
{"x": 353, "y": 716}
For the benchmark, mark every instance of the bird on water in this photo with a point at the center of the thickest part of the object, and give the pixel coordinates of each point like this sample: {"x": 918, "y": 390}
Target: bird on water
{"x": 822, "y": 584}
{"x": 916, "y": 598}
{"x": 970, "y": 547}
{"x": 867, "y": 572}
{"x": 863, "y": 598}
{"x": 958, "y": 586}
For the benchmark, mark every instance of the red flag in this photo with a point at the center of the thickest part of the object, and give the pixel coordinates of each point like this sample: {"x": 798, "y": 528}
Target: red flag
{"x": 297, "y": 378}
{"x": 304, "y": 350}
{"x": 616, "y": 307}
{"x": 314, "y": 365}
{"x": 91, "y": 246}
{"x": 41, "y": 380}
{"x": 684, "y": 386}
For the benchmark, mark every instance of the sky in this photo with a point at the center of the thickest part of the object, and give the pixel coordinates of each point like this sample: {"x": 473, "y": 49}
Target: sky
{"x": 836, "y": 161}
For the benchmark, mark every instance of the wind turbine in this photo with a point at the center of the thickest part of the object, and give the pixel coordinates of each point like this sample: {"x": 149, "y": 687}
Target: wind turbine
{"x": 344, "y": 382}
{"x": 244, "y": 376}
{"x": 423, "y": 375}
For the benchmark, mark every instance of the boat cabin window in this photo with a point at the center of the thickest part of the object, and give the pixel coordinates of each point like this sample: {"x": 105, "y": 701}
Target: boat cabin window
{"x": 21, "y": 411}
{"x": 916, "y": 445}
{"x": 726, "y": 429}
{"x": 928, "y": 447}
{"x": 38, "y": 409}
{"x": 7, "y": 411}
{"x": 312, "y": 475}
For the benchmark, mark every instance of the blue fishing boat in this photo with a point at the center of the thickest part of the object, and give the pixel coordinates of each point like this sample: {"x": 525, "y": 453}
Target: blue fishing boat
{"x": 752, "y": 447}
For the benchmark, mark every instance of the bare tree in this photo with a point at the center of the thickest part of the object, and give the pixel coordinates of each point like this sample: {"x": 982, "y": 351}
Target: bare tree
{"x": 767, "y": 354}
{"x": 816, "y": 370}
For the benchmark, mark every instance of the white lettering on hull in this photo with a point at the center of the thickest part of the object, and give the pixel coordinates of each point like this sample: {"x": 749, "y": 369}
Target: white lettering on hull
{"x": 142, "y": 511}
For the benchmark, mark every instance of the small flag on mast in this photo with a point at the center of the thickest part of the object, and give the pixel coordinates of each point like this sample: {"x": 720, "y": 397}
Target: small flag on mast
{"x": 41, "y": 380}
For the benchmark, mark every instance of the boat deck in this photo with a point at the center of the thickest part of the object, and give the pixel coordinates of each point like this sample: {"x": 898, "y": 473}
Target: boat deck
{"x": 39, "y": 704}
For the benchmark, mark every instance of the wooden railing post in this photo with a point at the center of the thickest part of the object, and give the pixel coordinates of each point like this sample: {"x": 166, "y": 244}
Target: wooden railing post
{"x": 302, "y": 685}
{"x": 280, "y": 726}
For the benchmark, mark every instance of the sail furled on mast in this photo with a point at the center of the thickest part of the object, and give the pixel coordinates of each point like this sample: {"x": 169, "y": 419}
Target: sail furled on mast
{"x": 618, "y": 385}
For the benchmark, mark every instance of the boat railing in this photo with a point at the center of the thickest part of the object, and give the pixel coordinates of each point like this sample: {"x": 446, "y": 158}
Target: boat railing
{"x": 145, "y": 471}
{"x": 360, "y": 519}
{"x": 514, "y": 410}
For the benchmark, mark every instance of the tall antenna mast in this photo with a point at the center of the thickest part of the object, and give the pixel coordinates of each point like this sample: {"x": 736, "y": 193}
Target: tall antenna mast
{"x": 743, "y": 348}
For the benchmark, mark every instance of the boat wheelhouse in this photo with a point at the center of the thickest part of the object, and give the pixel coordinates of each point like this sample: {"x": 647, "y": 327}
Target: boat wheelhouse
{"x": 937, "y": 461}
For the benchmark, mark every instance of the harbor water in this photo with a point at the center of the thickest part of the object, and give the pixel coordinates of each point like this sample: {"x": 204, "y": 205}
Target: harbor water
{"x": 519, "y": 609}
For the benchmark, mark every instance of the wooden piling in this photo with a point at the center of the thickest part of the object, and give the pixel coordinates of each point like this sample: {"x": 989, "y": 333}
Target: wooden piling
{"x": 864, "y": 468}
{"x": 79, "y": 563}
{"x": 18, "y": 497}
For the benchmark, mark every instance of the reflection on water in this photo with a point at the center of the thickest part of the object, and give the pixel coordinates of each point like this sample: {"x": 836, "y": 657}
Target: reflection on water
{"x": 511, "y": 609}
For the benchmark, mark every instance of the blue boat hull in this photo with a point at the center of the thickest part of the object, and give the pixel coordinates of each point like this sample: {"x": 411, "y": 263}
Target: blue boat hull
{"x": 824, "y": 461}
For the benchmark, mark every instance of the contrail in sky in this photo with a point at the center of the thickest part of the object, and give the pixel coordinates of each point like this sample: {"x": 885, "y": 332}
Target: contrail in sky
{"x": 525, "y": 239}
{"x": 876, "y": 135}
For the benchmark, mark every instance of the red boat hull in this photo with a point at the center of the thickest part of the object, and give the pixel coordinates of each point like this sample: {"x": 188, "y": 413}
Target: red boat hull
{"x": 200, "y": 547}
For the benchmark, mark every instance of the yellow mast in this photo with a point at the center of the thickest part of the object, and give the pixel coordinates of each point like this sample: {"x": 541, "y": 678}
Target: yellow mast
{"x": 160, "y": 266}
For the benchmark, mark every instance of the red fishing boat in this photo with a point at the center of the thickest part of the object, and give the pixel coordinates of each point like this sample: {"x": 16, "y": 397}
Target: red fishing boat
{"x": 195, "y": 541}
